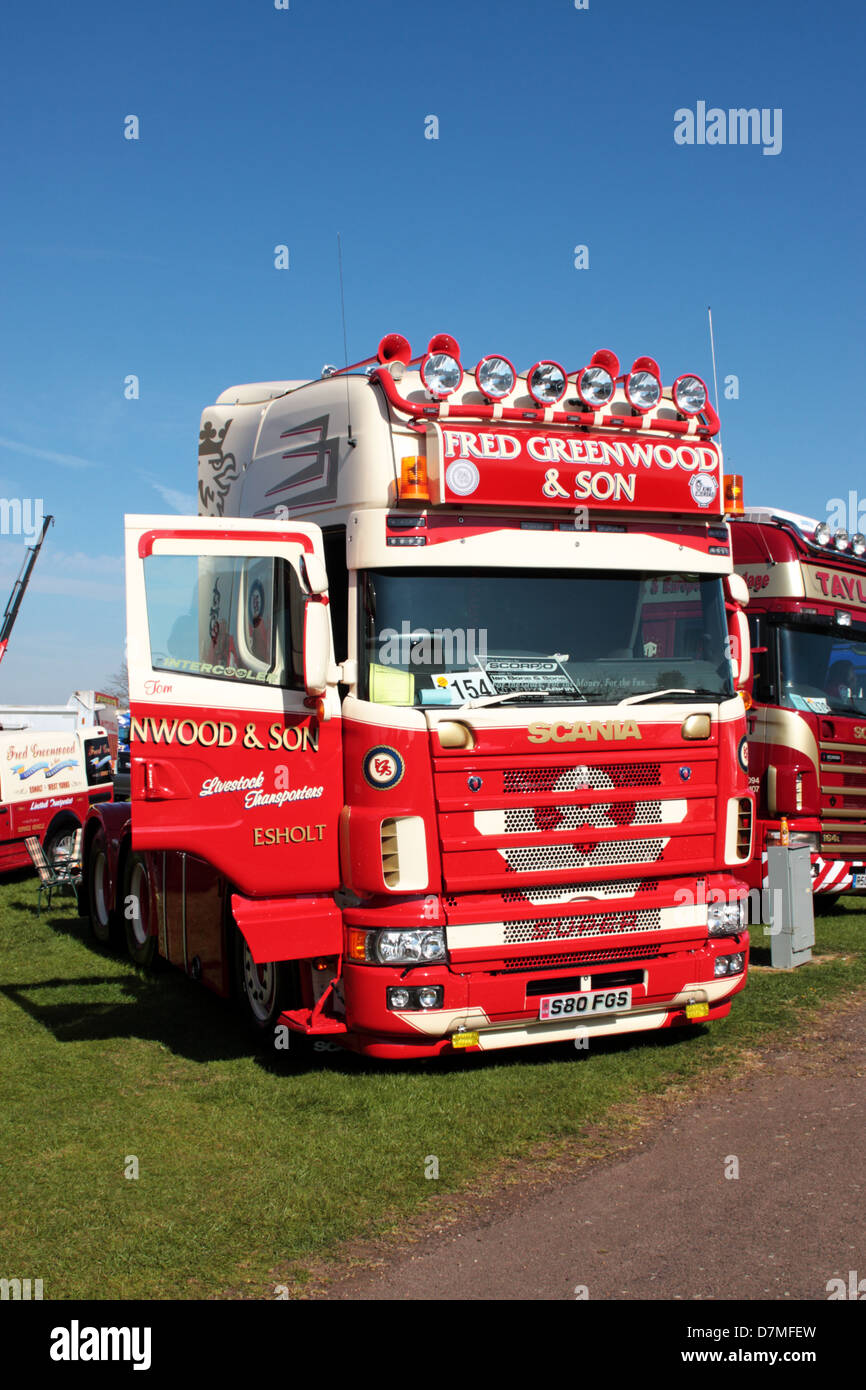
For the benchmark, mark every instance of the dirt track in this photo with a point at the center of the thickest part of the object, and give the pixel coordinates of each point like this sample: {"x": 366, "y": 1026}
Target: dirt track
{"x": 664, "y": 1221}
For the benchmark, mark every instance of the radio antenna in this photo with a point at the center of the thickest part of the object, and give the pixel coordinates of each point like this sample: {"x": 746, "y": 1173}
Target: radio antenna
{"x": 350, "y": 440}
{"x": 715, "y": 380}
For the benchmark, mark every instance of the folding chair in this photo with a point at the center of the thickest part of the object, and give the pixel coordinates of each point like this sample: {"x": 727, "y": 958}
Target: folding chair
{"x": 48, "y": 877}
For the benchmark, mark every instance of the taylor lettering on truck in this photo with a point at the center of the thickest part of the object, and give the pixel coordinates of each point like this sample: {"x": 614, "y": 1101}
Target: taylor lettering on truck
{"x": 806, "y": 726}
{"x": 436, "y": 732}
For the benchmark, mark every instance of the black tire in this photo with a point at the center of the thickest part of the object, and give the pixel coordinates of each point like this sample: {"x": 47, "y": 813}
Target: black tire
{"x": 103, "y": 922}
{"x": 141, "y": 944}
{"x": 60, "y": 838}
{"x": 262, "y": 991}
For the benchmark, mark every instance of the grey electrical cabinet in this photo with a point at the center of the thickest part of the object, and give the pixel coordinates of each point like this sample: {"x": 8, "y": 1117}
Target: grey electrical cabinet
{"x": 792, "y": 918}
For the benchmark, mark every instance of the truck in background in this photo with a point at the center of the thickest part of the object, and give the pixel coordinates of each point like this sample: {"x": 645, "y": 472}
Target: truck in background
{"x": 807, "y": 722}
{"x": 436, "y": 733}
{"x": 49, "y": 780}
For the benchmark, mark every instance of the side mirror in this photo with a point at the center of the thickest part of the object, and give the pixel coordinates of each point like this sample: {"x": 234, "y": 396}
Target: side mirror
{"x": 740, "y": 649}
{"x": 317, "y": 646}
{"x": 738, "y": 590}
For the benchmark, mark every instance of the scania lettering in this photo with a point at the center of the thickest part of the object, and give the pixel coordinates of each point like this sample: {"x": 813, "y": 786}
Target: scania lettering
{"x": 434, "y": 718}
{"x": 807, "y": 755}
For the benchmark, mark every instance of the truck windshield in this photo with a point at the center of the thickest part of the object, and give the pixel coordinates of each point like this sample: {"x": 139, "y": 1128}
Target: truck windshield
{"x": 441, "y": 637}
{"x": 822, "y": 671}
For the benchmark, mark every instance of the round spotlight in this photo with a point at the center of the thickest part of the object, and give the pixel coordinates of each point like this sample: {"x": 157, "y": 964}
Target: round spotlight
{"x": 823, "y": 535}
{"x": 495, "y": 376}
{"x": 643, "y": 385}
{"x": 441, "y": 374}
{"x": 690, "y": 395}
{"x": 595, "y": 386}
{"x": 858, "y": 543}
{"x": 547, "y": 382}
{"x": 841, "y": 540}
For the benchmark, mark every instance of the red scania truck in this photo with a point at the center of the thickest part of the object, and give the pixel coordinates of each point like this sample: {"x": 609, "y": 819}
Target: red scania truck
{"x": 807, "y": 725}
{"x": 436, "y": 735}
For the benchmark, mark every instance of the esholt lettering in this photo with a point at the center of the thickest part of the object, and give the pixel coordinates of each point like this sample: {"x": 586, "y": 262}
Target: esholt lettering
{"x": 287, "y": 834}
{"x": 608, "y": 730}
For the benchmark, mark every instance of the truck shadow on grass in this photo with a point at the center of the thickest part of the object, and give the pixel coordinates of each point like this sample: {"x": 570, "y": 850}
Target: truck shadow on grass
{"x": 167, "y": 1008}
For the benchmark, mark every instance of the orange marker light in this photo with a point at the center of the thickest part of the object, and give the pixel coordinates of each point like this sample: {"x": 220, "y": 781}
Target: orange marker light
{"x": 357, "y": 943}
{"x": 734, "y": 494}
{"x": 413, "y": 479}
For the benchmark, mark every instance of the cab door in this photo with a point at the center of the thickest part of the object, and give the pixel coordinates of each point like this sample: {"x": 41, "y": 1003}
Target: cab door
{"x": 235, "y": 732}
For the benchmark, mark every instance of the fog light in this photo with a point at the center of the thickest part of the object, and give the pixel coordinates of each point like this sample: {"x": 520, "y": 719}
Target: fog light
{"x": 721, "y": 966}
{"x": 398, "y": 998}
{"x": 430, "y": 996}
{"x": 736, "y": 963}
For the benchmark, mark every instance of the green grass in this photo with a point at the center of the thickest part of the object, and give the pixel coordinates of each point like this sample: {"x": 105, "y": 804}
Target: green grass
{"x": 251, "y": 1168}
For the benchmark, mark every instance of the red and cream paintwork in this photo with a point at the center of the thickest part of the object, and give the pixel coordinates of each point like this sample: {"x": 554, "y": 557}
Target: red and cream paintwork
{"x": 805, "y": 765}
{"x": 48, "y": 782}
{"x": 572, "y": 848}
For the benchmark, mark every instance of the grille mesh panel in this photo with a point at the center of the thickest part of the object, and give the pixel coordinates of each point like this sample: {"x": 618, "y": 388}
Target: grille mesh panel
{"x": 583, "y": 958}
{"x": 575, "y": 779}
{"x": 528, "y": 861}
{"x": 590, "y": 924}
{"x": 547, "y": 818}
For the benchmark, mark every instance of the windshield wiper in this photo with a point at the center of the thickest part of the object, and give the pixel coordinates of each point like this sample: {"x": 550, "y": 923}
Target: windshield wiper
{"x": 701, "y": 693}
{"x": 481, "y": 700}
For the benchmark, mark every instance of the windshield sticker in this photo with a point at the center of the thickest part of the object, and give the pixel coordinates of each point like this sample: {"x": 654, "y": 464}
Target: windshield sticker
{"x": 817, "y": 704}
{"x": 462, "y": 685}
{"x": 516, "y": 674}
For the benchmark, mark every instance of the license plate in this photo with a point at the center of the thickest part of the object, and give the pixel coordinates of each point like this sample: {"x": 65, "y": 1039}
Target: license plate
{"x": 464, "y": 1040}
{"x": 697, "y": 1010}
{"x": 596, "y": 1001}
{"x": 860, "y": 880}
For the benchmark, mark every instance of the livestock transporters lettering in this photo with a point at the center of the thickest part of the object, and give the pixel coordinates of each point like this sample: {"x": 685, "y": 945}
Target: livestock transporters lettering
{"x": 436, "y": 725}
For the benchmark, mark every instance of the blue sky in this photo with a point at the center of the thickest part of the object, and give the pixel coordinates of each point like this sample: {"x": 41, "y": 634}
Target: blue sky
{"x": 259, "y": 127}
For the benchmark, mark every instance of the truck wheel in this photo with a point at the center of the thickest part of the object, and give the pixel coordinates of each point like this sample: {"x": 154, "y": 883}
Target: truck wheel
{"x": 101, "y": 916}
{"x": 140, "y": 943}
{"x": 263, "y": 991}
{"x": 60, "y": 840}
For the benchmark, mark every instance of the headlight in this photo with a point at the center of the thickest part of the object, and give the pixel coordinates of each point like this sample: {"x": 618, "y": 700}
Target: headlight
{"x": 495, "y": 376}
{"x": 547, "y": 382}
{"x": 417, "y": 947}
{"x": 822, "y": 533}
{"x": 441, "y": 374}
{"x": 726, "y": 919}
{"x": 595, "y": 386}
{"x": 643, "y": 386}
{"x": 690, "y": 395}
{"x": 841, "y": 540}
